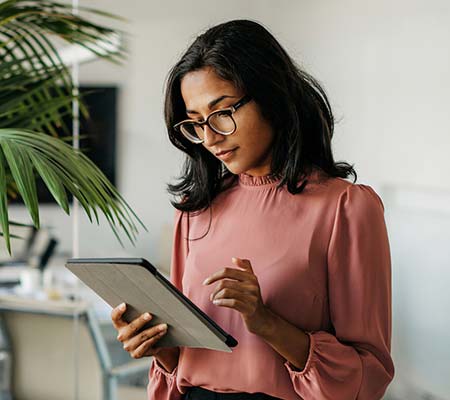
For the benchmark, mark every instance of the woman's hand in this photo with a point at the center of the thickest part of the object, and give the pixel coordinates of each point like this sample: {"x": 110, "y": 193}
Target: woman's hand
{"x": 241, "y": 293}
{"x": 138, "y": 344}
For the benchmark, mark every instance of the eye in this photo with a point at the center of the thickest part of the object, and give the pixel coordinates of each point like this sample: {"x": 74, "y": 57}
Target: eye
{"x": 193, "y": 120}
{"x": 223, "y": 113}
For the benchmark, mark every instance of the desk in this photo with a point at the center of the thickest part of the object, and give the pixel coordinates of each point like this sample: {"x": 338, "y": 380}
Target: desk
{"x": 43, "y": 320}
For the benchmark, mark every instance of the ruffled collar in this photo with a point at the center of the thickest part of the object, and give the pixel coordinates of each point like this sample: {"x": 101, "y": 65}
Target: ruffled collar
{"x": 271, "y": 180}
{"x": 249, "y": 180}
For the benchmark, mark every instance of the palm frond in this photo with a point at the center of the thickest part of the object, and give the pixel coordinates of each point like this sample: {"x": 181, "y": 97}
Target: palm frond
{"x": 61, "y": 168}
{"x": 32, "y": 75}
{"x": 3, "y": 203}
{"x": 36, "y": 92}
{"x": 12, "y": 236}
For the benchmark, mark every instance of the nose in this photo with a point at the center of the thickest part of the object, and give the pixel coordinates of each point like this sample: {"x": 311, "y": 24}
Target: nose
{"x": 211, "y": 137}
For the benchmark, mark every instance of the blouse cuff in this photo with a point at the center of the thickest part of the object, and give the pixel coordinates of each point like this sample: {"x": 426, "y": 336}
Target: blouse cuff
{"x": 161, "y": 370}
{"x": 293, "y": 370}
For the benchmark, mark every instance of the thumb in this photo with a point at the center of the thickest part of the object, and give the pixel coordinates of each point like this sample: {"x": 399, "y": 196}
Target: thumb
{"x": 242, "y": 263}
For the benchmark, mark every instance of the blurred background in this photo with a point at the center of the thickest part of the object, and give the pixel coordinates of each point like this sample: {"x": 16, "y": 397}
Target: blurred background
{"x": 384, "y": 65}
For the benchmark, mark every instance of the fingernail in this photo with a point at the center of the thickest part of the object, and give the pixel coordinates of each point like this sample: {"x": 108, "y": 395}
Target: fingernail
{"x": 163, "y": 327}
{"x": 122, "y": 306}
{"x": 119, "y": 337}
{"x": 233, "y": 259}
{"x": 147, "y": 316}
{"x": 206, "y": 281}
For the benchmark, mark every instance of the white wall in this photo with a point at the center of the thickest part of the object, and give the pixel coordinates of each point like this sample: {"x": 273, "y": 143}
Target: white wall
{"x": 418, "y": 222}
{"x": 158, "y": 34}
{"x": 385, "y": 67}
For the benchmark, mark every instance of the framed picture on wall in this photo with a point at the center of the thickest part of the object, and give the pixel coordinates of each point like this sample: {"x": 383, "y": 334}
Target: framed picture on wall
{"x": 100, "y": 129}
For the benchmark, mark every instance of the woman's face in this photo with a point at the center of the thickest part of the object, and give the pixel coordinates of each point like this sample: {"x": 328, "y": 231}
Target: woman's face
{"x": 253, "y": 136}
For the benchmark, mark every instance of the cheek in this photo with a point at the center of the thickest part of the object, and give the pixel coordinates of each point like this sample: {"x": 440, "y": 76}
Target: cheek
{"x": 260, "y": 135}
{"x": 255, "y": 131}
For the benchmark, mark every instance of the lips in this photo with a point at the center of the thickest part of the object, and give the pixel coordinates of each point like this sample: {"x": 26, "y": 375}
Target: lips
{"x": 224, "y": 151}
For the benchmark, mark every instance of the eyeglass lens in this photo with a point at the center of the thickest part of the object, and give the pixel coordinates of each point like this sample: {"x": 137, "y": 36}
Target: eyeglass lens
{"x": 221, "y": 122}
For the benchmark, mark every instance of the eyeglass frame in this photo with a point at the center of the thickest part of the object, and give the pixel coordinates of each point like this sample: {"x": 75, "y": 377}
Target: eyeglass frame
{"x": 232, "y": 109}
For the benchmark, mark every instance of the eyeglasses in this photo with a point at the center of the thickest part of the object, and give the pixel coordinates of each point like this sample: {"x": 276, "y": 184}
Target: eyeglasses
{"x": 220, "y": 121}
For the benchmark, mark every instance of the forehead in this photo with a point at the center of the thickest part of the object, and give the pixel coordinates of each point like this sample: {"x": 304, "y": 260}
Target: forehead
{"x": 203, "y": 85}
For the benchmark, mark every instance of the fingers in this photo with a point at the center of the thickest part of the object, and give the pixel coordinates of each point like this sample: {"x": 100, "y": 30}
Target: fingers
{"x": 229, "y": 293}
{"x": 137, "y": 343}
{"x": 240, "y": 297}
{"x": 228, "y": 288}
{"x": 235, "y": 304}
{"x": 131, "y": 329}
{"x": 143, "y": 344}
{"x": 137, "y": 340}
{"x": 231, "y": 273}
{"x": 116, "y": 316}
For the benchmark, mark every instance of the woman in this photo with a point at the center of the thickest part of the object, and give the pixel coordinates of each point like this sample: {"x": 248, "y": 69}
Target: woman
{"x": 269, "y": 240}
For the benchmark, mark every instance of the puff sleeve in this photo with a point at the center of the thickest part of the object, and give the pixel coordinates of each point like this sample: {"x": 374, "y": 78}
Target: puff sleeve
{"x": 355, "y": 362}
{"x": 162, "y": 384}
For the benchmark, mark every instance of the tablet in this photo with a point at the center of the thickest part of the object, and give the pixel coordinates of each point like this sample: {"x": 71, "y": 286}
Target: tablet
{"x": 136, "y": 282}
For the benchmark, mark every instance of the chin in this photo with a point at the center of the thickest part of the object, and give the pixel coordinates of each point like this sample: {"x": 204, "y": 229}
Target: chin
{"x": 234, "y": 169}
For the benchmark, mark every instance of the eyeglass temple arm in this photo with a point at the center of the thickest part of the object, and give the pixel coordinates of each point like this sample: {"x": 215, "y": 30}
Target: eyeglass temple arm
{"x": 243, "y": 101}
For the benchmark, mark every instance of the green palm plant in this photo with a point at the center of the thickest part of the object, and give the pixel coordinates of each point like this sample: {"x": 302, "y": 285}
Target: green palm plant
{"x": 36, "y": 92}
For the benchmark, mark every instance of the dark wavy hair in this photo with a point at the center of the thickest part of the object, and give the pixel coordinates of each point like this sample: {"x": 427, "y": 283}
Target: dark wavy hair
{"x": 246, "y": 54}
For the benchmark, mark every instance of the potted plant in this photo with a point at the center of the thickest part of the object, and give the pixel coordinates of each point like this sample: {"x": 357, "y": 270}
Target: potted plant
{"x": 36, "y": 91}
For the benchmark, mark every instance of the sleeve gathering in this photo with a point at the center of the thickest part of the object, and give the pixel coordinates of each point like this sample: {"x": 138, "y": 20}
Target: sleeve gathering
{"x": 355, "y": 361}
{"x": 162, "y": 384}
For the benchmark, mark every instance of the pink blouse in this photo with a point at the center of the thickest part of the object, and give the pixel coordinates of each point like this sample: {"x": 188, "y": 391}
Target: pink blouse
{"x": 322, "y": 260}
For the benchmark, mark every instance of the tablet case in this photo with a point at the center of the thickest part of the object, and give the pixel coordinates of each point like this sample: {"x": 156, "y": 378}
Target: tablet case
{"x": 138, "y": 283}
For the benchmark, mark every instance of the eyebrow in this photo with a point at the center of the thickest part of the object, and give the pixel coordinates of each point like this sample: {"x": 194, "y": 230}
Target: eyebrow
{"x": 211, "y": 104}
